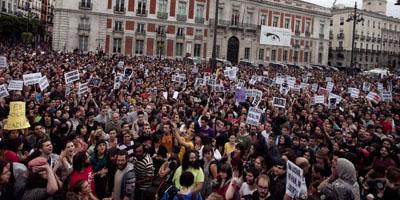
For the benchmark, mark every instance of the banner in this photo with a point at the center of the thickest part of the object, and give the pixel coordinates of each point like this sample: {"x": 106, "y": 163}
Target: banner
{"x": 3, "y": 91}
{"x": 43, "y": 83}
{"x": 3, "y": 62}
{"x": 354, "y": 92}
{"x": 254, "y": 116}
{"x": 16, "y": 118}
{"x": 31, "y": 79}
{"x": 71, "y": 76}
{"x": 294, "y": 176}
{"x": 319, "y": 99}
{"x": 386, "y": 96}
{"x": 95, "y": 82}
{"x": 275, "y": 36}
{"x": 374, "y": 97}
{"x": 83, "y": 88}
{"x": 16, "y": 85}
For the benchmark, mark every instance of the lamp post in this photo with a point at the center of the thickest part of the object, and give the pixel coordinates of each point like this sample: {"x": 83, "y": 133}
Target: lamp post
{"x": 356, "y": 18}
{"x": 214, "y": 50}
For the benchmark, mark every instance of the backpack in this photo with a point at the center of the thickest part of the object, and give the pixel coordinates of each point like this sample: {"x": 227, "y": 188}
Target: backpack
{"x": 170, "y": 193}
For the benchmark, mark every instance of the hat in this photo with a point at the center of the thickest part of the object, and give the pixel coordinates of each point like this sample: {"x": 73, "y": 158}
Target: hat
{"x": 39, "y": 161}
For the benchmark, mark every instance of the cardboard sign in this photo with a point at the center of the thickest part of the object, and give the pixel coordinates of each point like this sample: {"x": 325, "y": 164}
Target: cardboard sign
{"x": 329, "y": 86}
{"x": 294, "y": 175}
{"x": 94, "y": 82}
{"x": 354, "y": 92}
{"x": 386, "y": 96}
{"x": 240, "y": 95}
{"x": 16, "y": 85}
{"x": 291, "y": 81}
{"x": 374, "y": 97}
{"x": 3, "y": 62}
{"x": 366, "y": 86}
{"x": 3, "y": 91}
{"x": 314, "y": 87}
{"x": 31, "y": 79}
{"x": 319, "y": 99}
{"x": 16, "y": 118}
{"x": 83, "y": 88}
{"x": 175, "y": 95}
{"x": 43, "y": 83}
{"x": 257, "y": 98}
{"x": 71, "y": 76}
{"x": 279, "y": 102}
{"x": 254, "y": 116}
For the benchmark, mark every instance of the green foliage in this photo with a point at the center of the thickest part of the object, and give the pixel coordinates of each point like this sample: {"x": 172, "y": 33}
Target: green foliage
{"x": 12, "y": 27}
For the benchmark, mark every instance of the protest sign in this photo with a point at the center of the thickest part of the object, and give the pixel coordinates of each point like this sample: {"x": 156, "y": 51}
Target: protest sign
{"x": 240, "y": 95}
{"x": 31, "y": 79}
{"x": 175, "y": 95}
{"x": 71, "y": 76}
{"x": 254, "y": 116}
{"x": 294, "y": 176}
{"x": 319, "y": 99}
{"x": 380, "y": 86}
{"x": 94, "y": 82}
{"x": 240, "y": 84}
{"x": 265, "y": 73}
{"x": 165, "y": 95}
{"x": 16, "y": 118}
{"x": 374, "y": 97}
{"x": 15, "y": 85}
{"x": 279, "y": 102}
{"x": 386, "y": 96}
{"x": 3, "y": 91}
{"x": 329, "y": 86}
{"x": 354, "y": 92}
{"x": 279, "y": 80}
{"x": 366, "y": 86}
{"x": 3, "y": 62}
{"x": 328, "y": 79}
{"x": 284, "y": 89}
{"x": 43, "y": 83}
{"x": 322, "y": 91}
{"x": 314, "y": 87}
{"x": 291, "y": 81}
{"x": 83, "y": 88}
{"x": 253, "y": 80}
{"x": 198, "y": 82}
{"x": 117, "y": 82}
{"x": 335, "y": 96}
{"x": 257, "y": 97}
{"x": 128, "y": 71}
{"x": 120, "y": 64}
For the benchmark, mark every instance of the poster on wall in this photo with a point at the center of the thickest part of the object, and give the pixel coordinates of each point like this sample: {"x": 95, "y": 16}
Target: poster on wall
{"x": 275, "y": 36}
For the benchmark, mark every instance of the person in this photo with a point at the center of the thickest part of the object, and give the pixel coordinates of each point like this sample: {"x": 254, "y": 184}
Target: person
{"x": 65, "y": 160}
{"x": 277, "y": 179}
{"x": 82, "y": 170}
{"x": 186, "y": 180}
{"x": 42, "y": 182}
{"x": 144, "y": 170}
{"x": 6, "y": 191}
{"x": 227, "y": 185}
{"x": 340, "y": 184}
{"x": 81, "y": 191}
{"x": 124, "y": 179}
{"x": 214, "y": 196}
{"x": 127, "y": 145}
{"x": 262, "y": 192}
{"x": 99, "y": 162}
{"x": 210, "y": 169}
{"x": 190, "y": 163}
{"x": 250, "y": 186}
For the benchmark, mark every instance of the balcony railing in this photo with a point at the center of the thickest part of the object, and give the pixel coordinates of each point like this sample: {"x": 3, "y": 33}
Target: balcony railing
{"x": 356, "y": 49}
{"x": 362, "y": 37}
{"x": 339, "y": 48}
{"x": 297, "y": 32}
{"x": 161, "y": 35}
{"x": 181, "y": 37}
{"x": 118, "y": 30}
{"x": 368, "y": 38}
{"x": 119, "y": 9}
{"x": 140, "y": 33}
{"x": 379, "y": 39}
{"x": 321, "y": 36}
{"x": 199, "y": 20}
{"x": 330, "y": 36}
{"x": 356, "y": 37}
{"x": 340, "y": 36}
{"x": 181, "y": 18}
{"x": 308, "y": 33}
{"x": 198, "y": 37}
{"x": 251, "y": 27}
{"x": 84, "y": 27}
{"x": 85, "y": 5}
{"x": 162, "y": 15}
{"x": 141, "y": 13}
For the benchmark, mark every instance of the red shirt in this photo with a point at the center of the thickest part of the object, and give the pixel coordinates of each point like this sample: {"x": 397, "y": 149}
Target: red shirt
{"x": 86, "y": 174}
{"x": 11, "y": 156}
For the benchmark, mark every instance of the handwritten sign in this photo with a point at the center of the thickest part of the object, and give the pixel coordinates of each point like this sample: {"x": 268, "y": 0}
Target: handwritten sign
{"x": 294, "y": 176}
{"x": 16, "y": 85}
{"x": 43, "y": 83}
{"x": 16, "y": 119}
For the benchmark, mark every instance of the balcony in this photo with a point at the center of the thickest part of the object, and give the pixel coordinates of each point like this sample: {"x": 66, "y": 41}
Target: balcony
{"x": 368, "y": 38}
{"x": 199, "y": 20}
{"x": 161, "y": 35}
{"x": 162, "y": 15}
{"x": 339, "y": 49}
{"x": 308, "y": 34}
{"x": 373, "y": 51}
{"x": 379, "y": 40}
{"x": 198, "y": 37}
{"x": 85, "y": 5}
{"x": 119, "y": 9}
{"x": 251, "y": 27}
{"x": 118, "y": 30}
{"x": 362, "y": 38}
{"x": 181, "y": 18}
{"x": 84, "y": 27}
{"x": 340, "y": 36}
{"x": 373, "y": 39}
{"x": 141, "y": 13}
{"x": 356, "y": 37}
{"x": 367, "y": 51}
{"x": 321, "y": 36}
{"x": 356, "y": 49}
{"x": 140, "y": 33}
{"x": 297, "y": 32}
{"x": 331, "y": 36}
{"x": 180, "y": 37}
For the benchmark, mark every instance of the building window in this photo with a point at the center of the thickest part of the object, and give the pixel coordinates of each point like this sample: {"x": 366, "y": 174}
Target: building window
{"x": 261, "y": 54}
{"x": 373, "y": 24}
{"x": 139, "y": 47}
{"x": 287, "y": 23}
{"x": 308, "y": 26}
{"x": 118, "y": 26}
{"x": 217, "y": 51}
{"x": 297, "y": 25}
{"x": 273, "y": 55}
{"x": 161, "y": 30}
{"x": 117, "y": 45}
{"x": 235, "y": 17}
{"x": 249, "y": 18}
{"x": 140, "y": 28}
{"x": 182, "y": 8}
{"x": 162, "y": 5}
{"x": 306, "y": 57}
{"x": 285, "y": 55}
{"x": 340, "y": 44}
{"x": 83, "y": 42}
{"x": 142, "y": 7}
{"x": 321, "y": 28}
{"x": 199, "y": 10}
{"x": 179, "y": 49}
{"x": 180, "y": 31}
{"x": 119, "y": 5}
{"x": 275, "y": 21}
{"x": 319, "y": 58}
{"x": 341, "y": 21}
{"x": 197, "y": 50}
{"x": 247, "y": 53}
{"x": 199, "y": 32}
{"x": 263, "y": 19}
{"x": 220, "y": 11}
{"x": 331, "y": 22}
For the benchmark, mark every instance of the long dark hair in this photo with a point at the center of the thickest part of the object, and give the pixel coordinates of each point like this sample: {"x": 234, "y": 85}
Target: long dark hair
{"x": 186, "y": 163}
{"x": 79, "y": 161}
{"x": 96, "y": 152}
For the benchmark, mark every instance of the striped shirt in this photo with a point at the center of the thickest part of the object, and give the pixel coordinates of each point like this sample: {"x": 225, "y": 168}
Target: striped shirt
{"x": 144, "y": 170}
{"x": 128, "y": 148}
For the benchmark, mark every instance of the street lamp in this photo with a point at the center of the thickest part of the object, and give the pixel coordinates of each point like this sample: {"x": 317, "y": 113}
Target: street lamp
{"x": 356, "y": 18}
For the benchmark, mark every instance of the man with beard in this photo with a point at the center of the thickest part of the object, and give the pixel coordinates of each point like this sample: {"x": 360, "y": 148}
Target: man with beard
{"x": 249, "y": 187}
{"x": 262, "y": 192}
{"x": 277, "y": 176}
{"x": 190, "y": 163}
{"x": 124, "y": 179}
{"x": 144, "y": 170}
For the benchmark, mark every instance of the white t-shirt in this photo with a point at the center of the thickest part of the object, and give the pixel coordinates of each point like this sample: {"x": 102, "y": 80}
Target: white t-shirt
{"x": 245, "y": 189}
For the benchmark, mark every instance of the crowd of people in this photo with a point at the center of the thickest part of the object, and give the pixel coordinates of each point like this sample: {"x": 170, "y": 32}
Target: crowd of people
{"x": 142, "y": 133}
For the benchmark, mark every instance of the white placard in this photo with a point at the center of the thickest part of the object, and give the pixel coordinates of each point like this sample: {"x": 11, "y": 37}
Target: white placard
{"x": 354, "y": 92}
{"x": 294, "y": 176}
{"x": 175, "y": 95}
{"x": 265, "y": 73}
{"x": 95, "y": 82}
{"x": 319, "y": 99}
{"x": 257, "y": 97}
{"x": 279, "y": 102}
{"x": 275, "y": 36}
{"x": 165, "y": 95}
{"x": 71, "y": 76}
{"x": 43, "y": 83}
{"x": 380, "y": 86}
{"x": 120, "y": 64}
{"x": 314, "y": 87}
{"x": 279, "y": 80}
{"x": 329, "y": 86}
{"x": 253, "y": 80}
{"x": 366, "y": 86}
{"x": 254, "y": 116}
{"x": 3, "y": 62}
{"x": 31, "y": 79}
{"x": 15, "y": 85}
{"x": 83, "y": 88}
{"x": 3, "y": 91}
{"x": 387, "y": 96}
{"x": 374, "y": 97}
{"x": 291, "y": 81}
{"x": 284, "y": 89}
{"x": 328, "y": 79}
{"x": 335, "y": 96}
